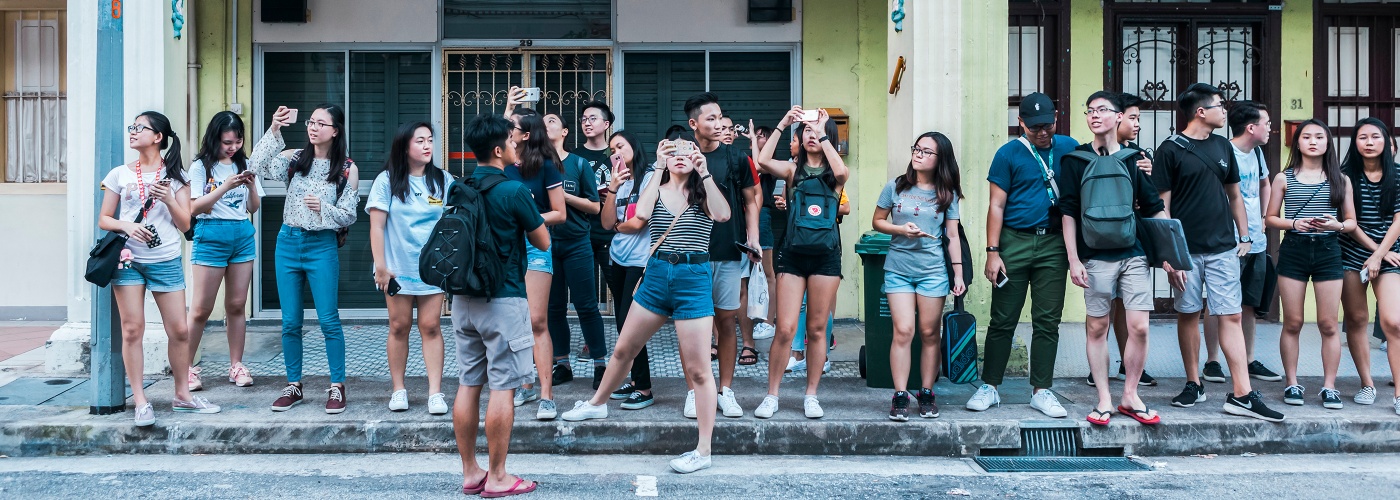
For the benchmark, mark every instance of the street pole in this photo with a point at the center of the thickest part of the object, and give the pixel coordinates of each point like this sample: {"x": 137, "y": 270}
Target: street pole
{"x": 106, "y": 370}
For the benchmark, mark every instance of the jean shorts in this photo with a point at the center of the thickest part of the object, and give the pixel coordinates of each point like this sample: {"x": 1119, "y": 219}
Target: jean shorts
{"x": 538, "y": 260}
{"x": 1303, "y": 257}
{"x": 930, "y": 285}
{"x": 681, "y": 291}
{"x": 220, "y": 242}
{"x": 158, "y": 277}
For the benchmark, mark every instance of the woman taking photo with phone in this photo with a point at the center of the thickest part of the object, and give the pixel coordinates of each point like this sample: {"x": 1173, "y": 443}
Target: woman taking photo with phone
{"x": 405, "y": 203}
{"x": 1311, "y": 202}
{"x": 322, "y": 185}
{"x": 678, "y": 213}
{"x": 628, "y": 252}
{"x": 809, "y": 262}
{"x": 225, "y": 195}
{"x": 917, "y": 209}
{"x": 154, "y": 190}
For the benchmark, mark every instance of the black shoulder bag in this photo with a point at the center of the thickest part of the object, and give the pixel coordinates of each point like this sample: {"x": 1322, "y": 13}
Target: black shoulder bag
{"x": 106, "y": 254}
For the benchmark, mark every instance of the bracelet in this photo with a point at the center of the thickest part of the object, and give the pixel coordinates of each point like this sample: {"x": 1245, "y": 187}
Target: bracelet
{"x": 1295, "y": 225}
{"x": 707, "y": 177}
{"x": 956, "y": 263}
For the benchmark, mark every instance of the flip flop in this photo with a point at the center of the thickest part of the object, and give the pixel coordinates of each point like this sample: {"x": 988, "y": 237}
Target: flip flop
{"x": 1099, "y": 421}
{"x": 477, "y": 489}
{"x": 515, "y": 489}
{"x": 1140, "y": 415}
{"x": 747, "y": 359}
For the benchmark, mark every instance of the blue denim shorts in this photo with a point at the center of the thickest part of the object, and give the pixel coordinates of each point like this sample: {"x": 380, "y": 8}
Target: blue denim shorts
{"x": 220, "y": 242}
{"x": 765, "y": 228}
{"x": 159, "y": 277}
{"x": 538, "y": 260}
{"x": 930, "y": 285}
{"x": 681, "y": 291}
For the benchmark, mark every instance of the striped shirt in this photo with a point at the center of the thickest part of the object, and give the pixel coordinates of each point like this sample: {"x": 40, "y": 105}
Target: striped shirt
{"x": 1371, "y": 219}
{"x": 691, "y": 234}
{"x": 1305, "y": 201}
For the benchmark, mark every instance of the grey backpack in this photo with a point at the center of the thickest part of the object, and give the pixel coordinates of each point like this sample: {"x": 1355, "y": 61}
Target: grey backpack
{"x": 1106, "y": 200}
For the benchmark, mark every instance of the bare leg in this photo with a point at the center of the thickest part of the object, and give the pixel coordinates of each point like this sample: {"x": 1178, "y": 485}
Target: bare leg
{"x": 1232, "y": 345}
{"x": 1134, "y": 357}
{"x": 726, "y": 322}
{"x": 930, "y": 314}
{"x": 500, "y": 418}
{"x": 1387, "y": 289}
{"x": 1212, "y": 334}
{"x": 789, "y": 303}
{"x": 131, "y": 305}
{"x": 466, "y": 417}
{"x": 641, "y": 325}
{"x": 1357, "y": 316}
{"x": 1096, "y": 349}
{"x": 745, "y": 322}
{"x": 1189, "y": 338}
{"x": 204, "y": 289}
{"x": 1292, "y": 293}
{"x": 537, "y": 286}
{"x": 236, "y": 284}
{"x": 400, "y": 324}
{"x": 692, "y": 334}
{"x": 172, "y": 314}
{"x": 1328, "y": 296}
{"x": 430, "y": 329}
{"x": 821, "y": 299}
{"x": 1120, "y": 325}
{"x": 902, "y": 315}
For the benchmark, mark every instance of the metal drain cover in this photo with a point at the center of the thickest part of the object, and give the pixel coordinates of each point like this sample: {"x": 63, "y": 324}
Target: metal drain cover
{"x": 1059, "y": 464}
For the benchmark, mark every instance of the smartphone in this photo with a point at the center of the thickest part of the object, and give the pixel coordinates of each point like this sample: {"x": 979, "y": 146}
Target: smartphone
{"x": 751, "y": 250}
{"x": 291, "y": 115}
{"x": 1002, "y": 279}
{"x": 532, "y": 94}
{"x": 738, "y": 128}
{"x": 809, "y": 115}
{"x": 393, "y": 287}
{"x": 1365, "y": 276}
{"x": 779, "y": 186}
{"x": 683, "y": 148}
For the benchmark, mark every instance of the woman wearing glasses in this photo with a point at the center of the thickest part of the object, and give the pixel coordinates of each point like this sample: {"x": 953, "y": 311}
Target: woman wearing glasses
{"x": 321, "y": 199}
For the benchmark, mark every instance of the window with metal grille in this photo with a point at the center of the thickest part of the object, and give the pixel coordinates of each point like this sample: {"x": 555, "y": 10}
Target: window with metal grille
{"x": 1036, "y": 61}
{"x": 1359, "y": 51}
{"x": 35, "y": 108}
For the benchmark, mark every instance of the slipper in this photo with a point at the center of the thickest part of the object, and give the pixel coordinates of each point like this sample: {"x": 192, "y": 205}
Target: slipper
{"x": 515, "y": 489}
{"x": 1099, "y": 421}
{"x": 1140, "y": 415}
{"x": 477, "y": 489}
{"x": 747, "y": 359}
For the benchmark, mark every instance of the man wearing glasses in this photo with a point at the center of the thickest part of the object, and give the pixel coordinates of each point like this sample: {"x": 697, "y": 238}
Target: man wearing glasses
{"x": 1025, "y": 250}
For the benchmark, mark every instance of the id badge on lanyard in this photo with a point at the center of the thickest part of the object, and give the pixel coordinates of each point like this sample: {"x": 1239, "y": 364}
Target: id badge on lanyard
{"x": 1051, "y": 188}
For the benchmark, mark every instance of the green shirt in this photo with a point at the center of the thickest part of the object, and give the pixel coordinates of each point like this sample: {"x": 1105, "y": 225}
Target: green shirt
{"x": 512, "y": 214}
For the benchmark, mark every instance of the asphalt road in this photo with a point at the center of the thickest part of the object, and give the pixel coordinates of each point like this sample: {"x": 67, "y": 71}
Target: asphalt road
{"x": 391, "y": 476}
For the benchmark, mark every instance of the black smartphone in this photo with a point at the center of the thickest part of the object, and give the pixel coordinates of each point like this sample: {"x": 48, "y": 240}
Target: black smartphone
{"x": 750, "y": 250}
{"x": 393, "y": 287}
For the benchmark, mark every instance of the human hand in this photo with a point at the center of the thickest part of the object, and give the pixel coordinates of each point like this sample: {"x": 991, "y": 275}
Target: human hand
{"x": 1078, "y": 274}
{"x": 313, "y": 202}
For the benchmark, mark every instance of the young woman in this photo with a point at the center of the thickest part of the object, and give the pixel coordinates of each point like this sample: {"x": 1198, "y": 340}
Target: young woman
{"x": 1371, "y": 248}
{"x": 225, "y": 195}
{"x": 575, "y": 278}
{"x": 916, "y": 209}
{"x": 405, "y": 203}
{"x": 155, "y": 189}
{"x": 678, "y": 213}
{"x": 322, "y": 194}
{"x": 816, "y": 276}
{"x": 1311, "y": 201}
{"x": 541, "y": 171}
{"x": 628, "y": 252}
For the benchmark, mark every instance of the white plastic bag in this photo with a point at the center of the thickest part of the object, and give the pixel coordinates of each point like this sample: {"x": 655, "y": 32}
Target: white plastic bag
{"x": 758, "y": 293}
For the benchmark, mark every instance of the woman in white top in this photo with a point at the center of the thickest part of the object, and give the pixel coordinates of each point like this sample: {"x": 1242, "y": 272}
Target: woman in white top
{"x": 321, "y": 200}
{"x": 154, "y": 189}
{"x": 224, "y": 196}
{"x": 405, "y": 203}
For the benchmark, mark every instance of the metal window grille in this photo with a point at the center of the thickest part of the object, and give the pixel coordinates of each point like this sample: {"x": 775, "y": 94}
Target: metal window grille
{"x": 35, "y": 105}
{"x": 1361, "y": 46}
{"x": 1036, "y": 61}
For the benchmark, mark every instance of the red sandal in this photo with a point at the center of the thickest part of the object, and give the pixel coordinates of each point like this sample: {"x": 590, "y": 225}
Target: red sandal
{"x": 475, "y": 489}
{"x": 1141, "y": 415}
{"x": 1099, "y": 421}
{"x": 515, "y": 489}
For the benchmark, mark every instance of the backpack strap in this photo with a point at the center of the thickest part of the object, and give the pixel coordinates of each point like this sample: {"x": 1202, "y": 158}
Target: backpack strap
{"x": 1083, "y": 155}
{"x": 1181, "y": 142}
{"x": 1259, "y": 156}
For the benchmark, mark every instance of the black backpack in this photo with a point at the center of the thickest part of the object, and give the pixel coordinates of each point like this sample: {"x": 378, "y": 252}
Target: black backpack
{"x": 812, "y": 228}
{"x": 461, "y": 255}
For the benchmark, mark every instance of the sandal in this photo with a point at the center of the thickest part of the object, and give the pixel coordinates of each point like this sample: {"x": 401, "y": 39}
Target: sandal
{"x": 515, "y": 489}
{"x": 1102, "y": 420}
{"x": 714, "y": 352}
{"x": 475, "y": 489}
{"x": 748, "y": 356}
{"x": 1142, "y": 416}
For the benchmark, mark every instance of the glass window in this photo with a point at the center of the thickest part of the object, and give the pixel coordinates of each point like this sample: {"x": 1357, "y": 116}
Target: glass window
{"x": 303, "y": 81}
{"x": 387, "y": 89}
{"x": 536, "y": 19}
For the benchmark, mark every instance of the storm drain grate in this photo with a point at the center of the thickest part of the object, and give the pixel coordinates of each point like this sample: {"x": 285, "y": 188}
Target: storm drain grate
{"x": 1059, "y": 464}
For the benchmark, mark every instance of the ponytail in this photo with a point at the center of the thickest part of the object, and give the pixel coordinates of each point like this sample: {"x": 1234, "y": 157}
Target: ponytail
{"x": 174, "y": 165}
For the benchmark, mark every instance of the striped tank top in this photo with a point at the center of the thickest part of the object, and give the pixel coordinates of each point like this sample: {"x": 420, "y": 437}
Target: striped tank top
{"x": 691, "y": 234}
{"x": 1372, "y": 218}
{"x": 1304, "y": 201}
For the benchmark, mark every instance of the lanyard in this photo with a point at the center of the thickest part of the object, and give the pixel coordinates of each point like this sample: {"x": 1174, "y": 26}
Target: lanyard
{"x": 141, "y": 186}
{"x": 1051, "y": 189}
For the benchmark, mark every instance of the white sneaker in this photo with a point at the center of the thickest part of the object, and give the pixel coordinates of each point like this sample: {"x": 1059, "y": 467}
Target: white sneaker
{"x": 826, "y": 368}
{"x": 689, "y": 462}
{"x": 796, "y": 364}
{"x": 399, "y": 400}
{"x": 767, "y": 408}
{"x": 986, "y": 397}
{"x": 546, "y": 410}
{"x": 584, "y": 411}
{"x": 812, "y": 407}
{"x": 1365, "y": 396}
{"x": 146, "y": 415}
{"x": 689, "y": 411}
{"x": 728, "y": 404}
{"x": 763, "y": 331}
{"x": 1047, "y": 403}
{"x": 437, "y": 404}
{"x": 1397, "y": 406}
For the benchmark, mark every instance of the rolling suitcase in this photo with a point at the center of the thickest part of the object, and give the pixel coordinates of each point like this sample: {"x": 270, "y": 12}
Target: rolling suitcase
{"x": 958, "y": 352}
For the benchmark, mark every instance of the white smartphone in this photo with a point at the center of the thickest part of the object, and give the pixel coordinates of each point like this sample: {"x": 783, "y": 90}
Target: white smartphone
{"x": 532, "y": 94}
{"x": 809, "y": 115}
{"x": 1365, "y": 276}
{"x": 779, "y": 186}
{"x": 1002, "y": 279}
{"x": 684, "y": 148}
{"x": 291, "y": 115}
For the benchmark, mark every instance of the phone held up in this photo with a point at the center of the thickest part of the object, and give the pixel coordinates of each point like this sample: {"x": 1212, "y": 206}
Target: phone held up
{"x": 532, "y": 94}
{"x": 683, "y": 148}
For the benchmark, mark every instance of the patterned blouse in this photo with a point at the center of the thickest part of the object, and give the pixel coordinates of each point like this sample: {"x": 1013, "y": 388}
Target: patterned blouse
{"x": 269, "y": 163}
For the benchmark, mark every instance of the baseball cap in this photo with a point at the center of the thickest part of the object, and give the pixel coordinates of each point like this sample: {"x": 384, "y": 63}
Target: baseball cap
{"x": 1037, "y": 109}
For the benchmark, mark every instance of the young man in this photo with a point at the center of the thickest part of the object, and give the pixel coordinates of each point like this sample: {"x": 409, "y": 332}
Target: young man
{"x": 736, "y": 180}
{"x": 726, "y": 130}
{"x": 493, "y": 333}
{"x": 575, "y": 276}
{"x": 1025, "y": 250}
{"x": 1198, "y": 178}
{"x": 1110, "y": 270}
{"x": 1249, "y": 124}
{"x": 595, "y": 122}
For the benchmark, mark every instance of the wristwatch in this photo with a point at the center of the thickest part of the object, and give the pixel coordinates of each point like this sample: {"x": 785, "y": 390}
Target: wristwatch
{"x": 1246, "y": 239}
{"x": 993, "y": 249}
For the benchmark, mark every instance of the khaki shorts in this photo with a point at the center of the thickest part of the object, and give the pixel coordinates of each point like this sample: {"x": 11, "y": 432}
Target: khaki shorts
{"x": 494, "y": 342}
{"x": 1125, "y": 279}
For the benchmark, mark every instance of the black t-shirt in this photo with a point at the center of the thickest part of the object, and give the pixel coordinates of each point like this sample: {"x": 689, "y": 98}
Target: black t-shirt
{"x": 1144, "y": 193}
{"x": 598, "y": 164}
{"x": 513, "y": 213}
{"x": 578, "y": 181}
{"x": 730, "y": 166}
{"x": 1197, "y": 189}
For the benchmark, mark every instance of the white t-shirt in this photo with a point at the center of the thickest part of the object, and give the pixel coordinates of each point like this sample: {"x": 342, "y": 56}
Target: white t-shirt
{"x": 234, "y": 203}
{"x": 1250, "y": 174}
{"x": 122, "y": 182}
{"x": 408, "y": 226}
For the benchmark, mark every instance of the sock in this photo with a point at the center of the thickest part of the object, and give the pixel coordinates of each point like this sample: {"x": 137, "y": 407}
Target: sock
{"x": 564, "y": 362}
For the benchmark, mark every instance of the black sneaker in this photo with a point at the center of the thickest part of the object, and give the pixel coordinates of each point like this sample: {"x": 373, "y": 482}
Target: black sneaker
{"x": 1089, "y": 380}
{"x": 598, "y": 371}
{"x": 623, "y": 392}
{"x": 637, "y": 401}
{"x": 1251, "y": 405}
{"x": 1293, "y": 395}
{"x": 1258, "y": 371}
{"x": 1213, "y": 373}
{"x": 1147, "y": 380}
{"x": 927, "y": 407}
{"x": 562, "y": 374}
{"x": 899, "y": 407}
{"x": 1192, "y": 394}
{"x": 1331, "y": 399}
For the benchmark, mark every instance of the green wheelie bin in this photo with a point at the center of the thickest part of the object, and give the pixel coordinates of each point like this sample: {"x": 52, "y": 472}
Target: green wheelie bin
{"x": 879, "y": 330}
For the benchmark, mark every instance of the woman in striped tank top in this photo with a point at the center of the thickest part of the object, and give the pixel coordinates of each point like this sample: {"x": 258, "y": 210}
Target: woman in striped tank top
{"x": 678, "y": 213}
{"x": 1311, "y": 201}
{"x": 1370, "y": 253}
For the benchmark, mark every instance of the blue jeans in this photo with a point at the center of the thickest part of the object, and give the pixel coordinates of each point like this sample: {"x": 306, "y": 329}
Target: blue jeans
{"x": 799, "y": 341}
{"x": 309, "y": 258}
{"x": 574, "y": 280}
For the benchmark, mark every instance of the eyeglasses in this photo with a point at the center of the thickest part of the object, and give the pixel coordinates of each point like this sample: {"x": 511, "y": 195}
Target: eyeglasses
{"x": 918, "y": 151}
{"x": 1040, "y": 129}
{"x": 315, "y": 125}
{"x": 137, "y": 128}
{"x": 590, "y": 119}
{"x": 1102, "y": 110}
{"x": 1213, "y": 106}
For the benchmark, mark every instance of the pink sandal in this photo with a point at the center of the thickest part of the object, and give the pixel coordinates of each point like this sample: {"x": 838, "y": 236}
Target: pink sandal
{"x": 515, "y": 489}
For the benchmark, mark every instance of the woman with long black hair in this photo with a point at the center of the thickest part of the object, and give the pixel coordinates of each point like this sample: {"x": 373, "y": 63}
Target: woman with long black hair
{"x": 225, "y": 196}
{"x": 1370, "y": 252}
{"x": 815, "y": 178}
{"x": 322, "y": 194}
{"x": 628, "y": 252}
{"x": 405, "y": 203}
{"x": 154, "y": 188}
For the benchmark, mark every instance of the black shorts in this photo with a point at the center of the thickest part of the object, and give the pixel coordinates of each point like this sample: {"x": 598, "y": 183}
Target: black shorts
{"x": 1310, "y": 257}
{"x": 1254, "y": 269}
{"x": 805, "y": 265}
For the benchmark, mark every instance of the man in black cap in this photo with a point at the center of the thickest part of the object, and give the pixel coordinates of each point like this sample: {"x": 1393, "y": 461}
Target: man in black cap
{"x": 1025, "y": 250}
